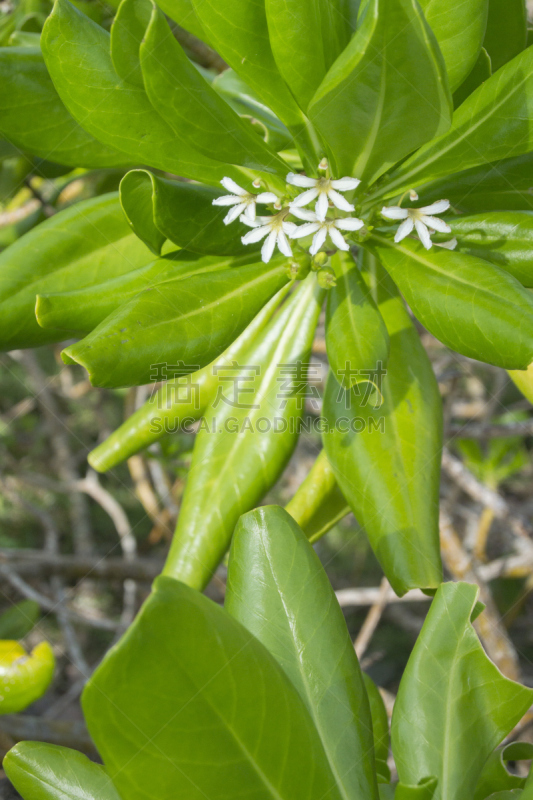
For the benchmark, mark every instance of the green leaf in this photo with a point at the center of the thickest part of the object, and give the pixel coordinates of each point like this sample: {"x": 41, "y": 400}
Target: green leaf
{"x": 18, "y": 621}
{"x": 481, "y": 72}
{"x": 204, "y": 712}
{"x": 159, "y": 209}
{"x": 504, "y": 239}
{"x": 114, "y": 111}
{"x": 496, "y": 777}
{"x": 24, "y": 677}
{"x": 380, "y": 721}
{"x": 279, "y": 591}
{"x": 193, "y": 109}
{"x": 386, "y": 94}
{"x": 424, "y": 790}
{"x": 76, "y": 248}
{"x": 493, "y": 123}
{"x": 127, "y": 32}
{"x": 81, "y": 310}
{"x": 182, "y": 12}
{"x": 180, "y": 399}
{"x": 34, "y": 119}
{"x": 459, "y": 34}
{"x": 41, "y": 771}
{"x": 386, "y": 459}
{"x": 357, "y": 340}
{"x": 247, "y": 438}
{"x": 469, "y": 707}
{"x": 190, "y": 321}
{"x": 472, "y": 306}
{"x": 506, "y": 33}
{"x": 306, "y": 39}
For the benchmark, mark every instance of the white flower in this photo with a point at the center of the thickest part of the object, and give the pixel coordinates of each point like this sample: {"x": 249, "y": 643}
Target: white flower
{"x": 276, "y": 229}
{"x": 322, "y": 228}
{"x": 419, "y": 218}
{"x": 241, "y": 200}
{"x": 325, "y": 190}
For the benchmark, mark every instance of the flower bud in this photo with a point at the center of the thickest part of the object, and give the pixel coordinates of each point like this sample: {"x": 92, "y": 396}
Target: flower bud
{"x": 326, "y": 278}
{"x": 320, "y": 260}
{"x": 298, "y": 270}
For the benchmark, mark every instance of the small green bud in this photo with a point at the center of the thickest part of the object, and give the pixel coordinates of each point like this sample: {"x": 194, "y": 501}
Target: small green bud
{"x": 320, "y": 260}
{"x": 298, "y": 270}
{"x": 326, "y": 278}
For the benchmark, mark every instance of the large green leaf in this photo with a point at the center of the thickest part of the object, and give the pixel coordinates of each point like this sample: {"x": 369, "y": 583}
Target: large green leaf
{"x": 357, "y": 340}
{"x": 493, "y": 123}
{"x": 279, "y": 591}
{"x": 182, "y": 11}
{"x": 468, "y": 706}
{"x": 459, "y": 33}
{"x": 387, "y": 460}
{"x": 386, "y": 94}
{"x": 79, "y": 247}
{"x": 306, "y": 38}
{"x": 188, "y": 321}
{"x": 481, "y": 72}
{"x": 504, "y": 239}
{"x": 495, "y": 776}
{"x": 158, "y": 209}
{"x": 190, "y": 704}
{"x": 506, "y": 33}
{"x": 472, "y": 306}
{"x": 248, "y": 437}
{"x": 118, "y": 113}
{"x": 33, "y": 118}
{"x": 193, "y": 109}
{"x": 41, "y": 771}
{"x": 380, "y": 728}
{"x": 127, "y": 32}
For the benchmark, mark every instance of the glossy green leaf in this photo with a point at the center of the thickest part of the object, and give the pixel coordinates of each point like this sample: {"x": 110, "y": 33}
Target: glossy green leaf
{"x": 495, "y": 776}
{"x": 387, "y": 459}
{"x": 493, "y": 123}
{"x": 279, "y": 591}
{"x": 81, "y": 310}
{"x": 182, "y": 11}
{"x": 127, "y": 32}
{"x": 41, "y": 771}
{"x": 459, "y": 33}
{"x": 24, "y": 677}
{"x": 357, "y": 340}
{"x": 19, "y": 620}
{"x": 306, "y": 39}
{"x": 193, "y": 109}
{"x": 380, "y": 723}
{"x": 506, "y": 30}
{"x": 159, "y": 209}
{"x": 472, "y": 306}
{"x": 78, "y": 247}
{"x": 34, "y": 119}
{"x": 504, "y": 239}
{"x": 246, "y": 440}
{"x": 481, "y": 72}
{"x": 386, "y": 94}
{"x": 238, "y": 30}
{"x": 217, "y": 713}
{"x": 190, "y": 321}
{"x": 180, "y": 399}
{"x": 114, "y": 111}
{"x": 453, "y": 706}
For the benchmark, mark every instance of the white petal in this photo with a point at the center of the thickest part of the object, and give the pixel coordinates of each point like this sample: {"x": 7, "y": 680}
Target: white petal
{"x": 284, "y": 245}
{"x": 304, "y": 198}
{"x": 423, "y": 232}
{"x": 404, "y": 230}
{"x": 322, "y": 206}
{"x": 349, "y": 224}
{"x": 304, "y": 213}
{"x": 451, "y": 245}
{"x": 394, "y": 212}
{"x": 231, "y": 186}
{"x": 345, "y": 184}
{"x": 300, "y": 180}
{"x": 339, "y": 201}
{"x": 436, "y": 208}
{"x": 338, "y": 239}
{"x": 256, "y": 235}
{"x": 318, "y": 240}
{"x": 226, "y": 200}
{"x": 268, "y": 247}
{"x": 436, "y": 223}
{"x": 288, "y": 227}
{"x": 266, "y": 197}
{"x": 234, "y": 213}
{"x": 253, "y": 223}
{"x": 305, "y": 230}
{"x": 250, "y": 211}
